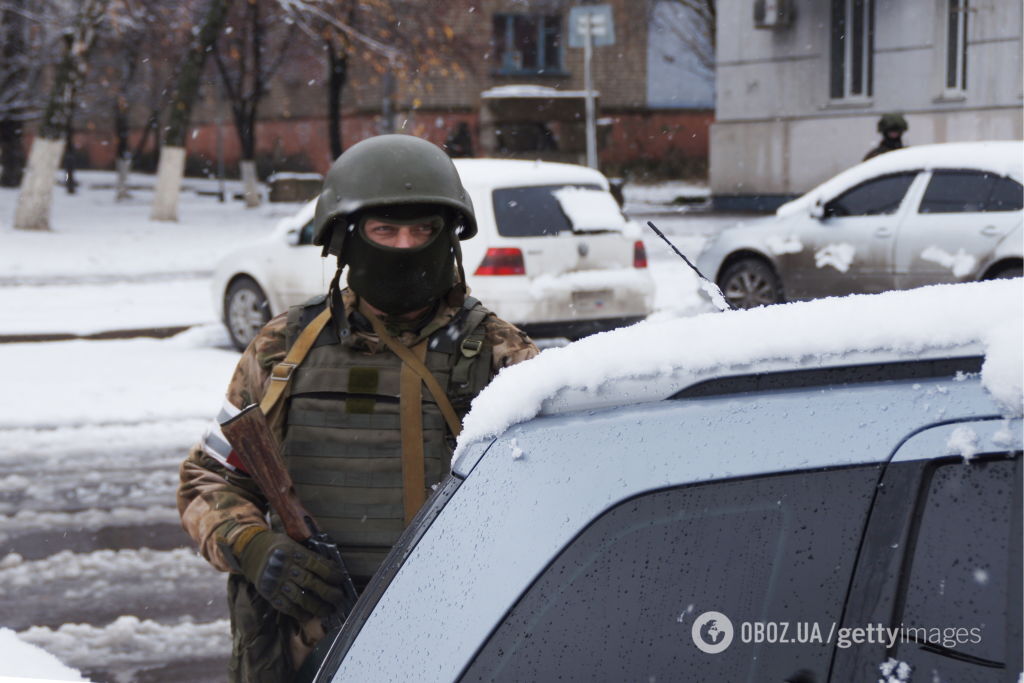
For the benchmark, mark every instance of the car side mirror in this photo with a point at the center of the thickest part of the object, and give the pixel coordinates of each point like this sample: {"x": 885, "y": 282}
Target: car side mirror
{"x": 292, "y": 236}
{"x": 817, "y": 210}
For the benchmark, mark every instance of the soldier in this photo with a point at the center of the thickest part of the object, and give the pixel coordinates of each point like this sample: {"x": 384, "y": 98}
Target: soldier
{"x": 892, "y": 127}
{"x": 337, "y": 380}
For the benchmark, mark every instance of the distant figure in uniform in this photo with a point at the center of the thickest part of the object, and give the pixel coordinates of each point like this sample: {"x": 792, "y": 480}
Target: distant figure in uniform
{"x": 459, "y": 142}
{"x": 892, "y": 127}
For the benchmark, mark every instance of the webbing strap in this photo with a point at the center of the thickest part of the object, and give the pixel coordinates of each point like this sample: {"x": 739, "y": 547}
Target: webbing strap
{"x": 281, "y": 374}
{"x": 417, "y": 366}
{"x": 410, "y": 405}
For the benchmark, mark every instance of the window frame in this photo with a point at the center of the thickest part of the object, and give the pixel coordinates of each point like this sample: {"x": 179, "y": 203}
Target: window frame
{"x": 546, "y": 65}
{"x": 955, "y": 77}
{"x": 848, "y": 16}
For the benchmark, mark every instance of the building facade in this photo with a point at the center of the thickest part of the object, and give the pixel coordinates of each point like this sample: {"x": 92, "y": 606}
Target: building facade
{"x": 801, "y": 85}
{"x": 655, "y": 102}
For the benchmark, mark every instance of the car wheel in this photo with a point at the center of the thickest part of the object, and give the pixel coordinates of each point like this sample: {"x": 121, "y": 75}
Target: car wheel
{"x": 245, "y": 311}
{"x": 749, "y": 283}
{"x": 1006, "y": 272}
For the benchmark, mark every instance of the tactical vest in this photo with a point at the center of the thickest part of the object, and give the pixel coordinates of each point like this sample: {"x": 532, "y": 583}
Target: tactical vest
{"x": 342, "y": 429}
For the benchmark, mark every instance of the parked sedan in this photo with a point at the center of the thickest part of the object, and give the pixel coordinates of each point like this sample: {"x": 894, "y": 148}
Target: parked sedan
{"x": 554, "y": 254}
{"x": 922, "y": 215}
{"x": 842, "y": 506}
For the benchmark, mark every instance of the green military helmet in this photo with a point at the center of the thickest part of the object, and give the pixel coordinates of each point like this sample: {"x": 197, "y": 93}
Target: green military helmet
{"x": 893, "y": 121}
{"x": 389, "y": 170}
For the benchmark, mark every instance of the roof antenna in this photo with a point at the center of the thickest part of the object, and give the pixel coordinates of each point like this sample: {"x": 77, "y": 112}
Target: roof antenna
{"x": 709, "y": 287}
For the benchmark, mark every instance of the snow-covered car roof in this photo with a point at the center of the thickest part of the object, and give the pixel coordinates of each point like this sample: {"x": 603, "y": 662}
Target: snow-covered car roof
{"x": 1003, "y": 157}
{"x": 523, "y": 173}
{"x": 653, "y": 360}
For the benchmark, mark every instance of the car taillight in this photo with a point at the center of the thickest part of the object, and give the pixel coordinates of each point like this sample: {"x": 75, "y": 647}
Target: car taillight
{"x": 639, "y": 255}
{"x": 502, "y": 261}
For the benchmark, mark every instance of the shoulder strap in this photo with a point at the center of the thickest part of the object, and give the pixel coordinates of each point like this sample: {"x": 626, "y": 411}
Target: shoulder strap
{"x": 471, "y": 344}
{"x": 417, "y": 366}
{"x": 281, "y": 374}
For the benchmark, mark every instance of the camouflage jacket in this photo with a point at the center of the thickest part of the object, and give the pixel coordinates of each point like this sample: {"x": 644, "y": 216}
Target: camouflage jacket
{"x": 212, "y": 492}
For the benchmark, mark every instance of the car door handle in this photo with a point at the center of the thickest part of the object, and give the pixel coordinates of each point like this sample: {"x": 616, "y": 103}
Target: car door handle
{"x": 883, "y": 232}
{"x": 990, "y": 230}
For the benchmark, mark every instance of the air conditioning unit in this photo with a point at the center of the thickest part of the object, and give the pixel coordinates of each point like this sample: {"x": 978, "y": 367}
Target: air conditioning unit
{"x": 774, "y": 14}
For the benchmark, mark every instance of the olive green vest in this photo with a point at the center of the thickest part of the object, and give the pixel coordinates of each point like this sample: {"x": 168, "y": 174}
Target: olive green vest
{"x": 342, "y": 433}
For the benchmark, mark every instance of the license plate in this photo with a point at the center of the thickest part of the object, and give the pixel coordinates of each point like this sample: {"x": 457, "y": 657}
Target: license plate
{"x": 590, "y": 302}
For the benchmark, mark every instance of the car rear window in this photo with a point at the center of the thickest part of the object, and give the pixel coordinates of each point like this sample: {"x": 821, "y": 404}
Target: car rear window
{"x": 536, "y": 211}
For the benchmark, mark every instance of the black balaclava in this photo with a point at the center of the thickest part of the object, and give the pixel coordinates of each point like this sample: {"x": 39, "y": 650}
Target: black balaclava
{"x": 399, "y": 281}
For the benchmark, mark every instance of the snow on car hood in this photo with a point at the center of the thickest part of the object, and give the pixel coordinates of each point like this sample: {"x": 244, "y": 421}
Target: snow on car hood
{"x": 654, "y": 359}
{"x": 1002, "y": 157}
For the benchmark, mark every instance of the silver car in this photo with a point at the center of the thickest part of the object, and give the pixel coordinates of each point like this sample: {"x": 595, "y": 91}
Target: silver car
{"x": 918, "y": 216}
{"x": 701, "y": 509}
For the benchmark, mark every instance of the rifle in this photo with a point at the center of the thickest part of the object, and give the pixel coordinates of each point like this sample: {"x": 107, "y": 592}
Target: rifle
{"x": 250, "y": 437}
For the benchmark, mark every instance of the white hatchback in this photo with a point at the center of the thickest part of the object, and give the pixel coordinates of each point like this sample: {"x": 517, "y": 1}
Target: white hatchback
{"x": 554, "y": 254}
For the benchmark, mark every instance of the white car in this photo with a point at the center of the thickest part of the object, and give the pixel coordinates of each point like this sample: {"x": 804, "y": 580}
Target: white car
{"x": 554, "y": 254}
{"x": 923, "y": 215}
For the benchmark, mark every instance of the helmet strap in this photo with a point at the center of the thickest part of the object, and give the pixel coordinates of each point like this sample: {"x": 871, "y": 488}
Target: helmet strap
{"x": 460, "y": 290}
{"x": 337, "y": 306}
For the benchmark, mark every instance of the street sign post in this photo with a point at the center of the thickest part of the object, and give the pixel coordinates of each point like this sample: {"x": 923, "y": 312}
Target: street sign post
{"x": 590, "y": 26}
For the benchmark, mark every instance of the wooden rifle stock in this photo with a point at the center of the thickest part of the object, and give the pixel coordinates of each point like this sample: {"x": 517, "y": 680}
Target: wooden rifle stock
{"x": 250, "y": 437}
{"x": 256, "y": 447}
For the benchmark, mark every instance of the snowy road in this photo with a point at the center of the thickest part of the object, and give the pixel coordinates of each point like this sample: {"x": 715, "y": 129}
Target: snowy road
{"x": 94, "y": 566}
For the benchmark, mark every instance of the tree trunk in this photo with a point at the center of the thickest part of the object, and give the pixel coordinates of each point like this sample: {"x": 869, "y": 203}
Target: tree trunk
{"x": 123, "y": 163}
{"x": 33, "y": 211}
{"x": 165, "y": 206}
{"x": 168, "y": 183}
{"x": 124, "y": 167}
{"x": 337, "y": 75}
{"x": 12, "y": 154}
{"x": 250, "y": 184}
{"x": 70, "y": 184}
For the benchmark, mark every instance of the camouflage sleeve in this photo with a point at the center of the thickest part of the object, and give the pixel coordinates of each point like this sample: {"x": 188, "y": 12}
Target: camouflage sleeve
{"x": 213, "y": 493}
{"x": 509, "y": 344}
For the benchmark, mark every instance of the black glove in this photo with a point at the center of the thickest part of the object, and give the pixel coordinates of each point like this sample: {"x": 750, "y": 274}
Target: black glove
{"x": 293, "y": 578}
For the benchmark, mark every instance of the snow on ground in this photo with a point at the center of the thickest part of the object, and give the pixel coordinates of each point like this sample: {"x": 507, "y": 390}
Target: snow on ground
{"x": 131, "y": 244}
{"x": 126, "y": 306}
{"x": 22, "y": 660}
{"x": 666, "y": 193}
{"x": 133, "y": 640}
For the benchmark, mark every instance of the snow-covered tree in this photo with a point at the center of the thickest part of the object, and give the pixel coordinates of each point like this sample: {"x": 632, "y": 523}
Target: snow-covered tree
{"x": 33, "y": 210}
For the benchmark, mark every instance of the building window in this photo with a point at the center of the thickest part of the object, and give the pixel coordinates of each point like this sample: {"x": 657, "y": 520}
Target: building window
{"x": 528, "y": 43}
{"x": 853, "y": 38}
{"x": 956, "y": 46}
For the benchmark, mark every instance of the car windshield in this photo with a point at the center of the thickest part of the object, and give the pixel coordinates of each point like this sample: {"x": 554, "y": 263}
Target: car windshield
{"x": 550, "y": 209}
